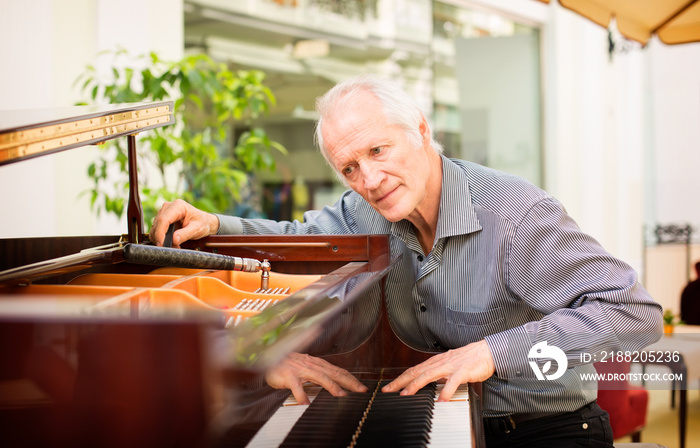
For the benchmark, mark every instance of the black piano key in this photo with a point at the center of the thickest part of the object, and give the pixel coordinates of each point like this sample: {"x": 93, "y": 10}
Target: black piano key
{"x": 329, "y": 421}
{"x": 399, "y": 421}
{"x": 393, "y": 420}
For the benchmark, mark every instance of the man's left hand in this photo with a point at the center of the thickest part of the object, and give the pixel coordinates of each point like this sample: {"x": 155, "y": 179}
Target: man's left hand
{"x": 472, "y": 363}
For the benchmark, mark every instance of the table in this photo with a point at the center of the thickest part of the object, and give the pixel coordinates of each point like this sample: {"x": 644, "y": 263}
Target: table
{"x": 686, "y": 341}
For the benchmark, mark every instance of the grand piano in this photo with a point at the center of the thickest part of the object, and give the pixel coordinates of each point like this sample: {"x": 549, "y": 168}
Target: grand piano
{"x": 102, "y": 348}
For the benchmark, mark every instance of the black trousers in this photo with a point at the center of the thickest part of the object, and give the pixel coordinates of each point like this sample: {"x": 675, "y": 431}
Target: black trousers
{"x": 588, "y": 426}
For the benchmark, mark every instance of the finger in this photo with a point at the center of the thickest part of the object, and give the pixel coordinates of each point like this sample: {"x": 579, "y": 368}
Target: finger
{"x": 417, "y": 377}
{"x": 325, "y": 381}
{"x": 188, "y": 220}
{"x": 193, "y": 227}
{"x": 408, "y": 376}
{"x": 335, "y": 374}
{"x": 169, "y": 213}
{"x": 416, "y": 385}
{"x": 157, "y": 234}
{"x": 448, "y": 390}
{"x": 346, "y": 380}
{"x": 356, "y": 386}
{"x": 196, "y": 224}
{"x": 153, "y": 233}
{"x": 399, "y": 382}
{"x": 393, "y": 386}
{"x": 299, "y": 393}
{"x": 182, "y": 235}
{"x": 332, "y": 378}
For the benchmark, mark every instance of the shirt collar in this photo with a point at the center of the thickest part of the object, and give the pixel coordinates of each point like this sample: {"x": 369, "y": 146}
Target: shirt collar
{"x": 456, "y": 215}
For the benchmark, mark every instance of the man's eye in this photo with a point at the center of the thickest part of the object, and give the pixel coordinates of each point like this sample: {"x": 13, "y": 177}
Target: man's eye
{"x": 377, "y": 150}
{"x": 348, "y": 170}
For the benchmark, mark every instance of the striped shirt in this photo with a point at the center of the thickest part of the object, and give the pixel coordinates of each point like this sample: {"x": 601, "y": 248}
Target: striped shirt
{"x": 508, "y": 265}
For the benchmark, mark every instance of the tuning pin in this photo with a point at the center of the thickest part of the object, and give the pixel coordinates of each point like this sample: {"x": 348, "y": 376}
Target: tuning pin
{"x": 265, "y": 276}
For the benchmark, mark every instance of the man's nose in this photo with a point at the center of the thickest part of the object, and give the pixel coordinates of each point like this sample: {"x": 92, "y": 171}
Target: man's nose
{"x": 372, "y": 175}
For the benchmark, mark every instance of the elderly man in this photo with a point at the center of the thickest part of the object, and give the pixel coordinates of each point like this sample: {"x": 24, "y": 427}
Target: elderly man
{"x": 500, "y": 275}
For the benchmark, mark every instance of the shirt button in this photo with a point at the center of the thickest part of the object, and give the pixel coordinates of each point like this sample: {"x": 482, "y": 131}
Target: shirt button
{"x": 423, "y": 307}
{"x": 436, "y": 344}
{"x": 420, "y": 257}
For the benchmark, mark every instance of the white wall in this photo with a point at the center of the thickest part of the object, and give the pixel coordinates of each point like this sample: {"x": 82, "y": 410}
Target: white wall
{"x": 594, "y": 130}
{"x": 46, "y": 45}
{"x": 673, "y": 92}
{"x": 27, "y": 81}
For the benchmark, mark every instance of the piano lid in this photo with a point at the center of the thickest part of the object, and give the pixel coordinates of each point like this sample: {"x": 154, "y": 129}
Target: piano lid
{"x": 34, "y": 132}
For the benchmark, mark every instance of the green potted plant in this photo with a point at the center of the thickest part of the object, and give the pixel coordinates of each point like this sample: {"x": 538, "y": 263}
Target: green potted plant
{"x": 195, "y": 159}
{"x": 670, "y": 321}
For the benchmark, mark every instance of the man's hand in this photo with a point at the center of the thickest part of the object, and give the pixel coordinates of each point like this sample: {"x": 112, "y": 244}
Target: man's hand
{"x": 472, "y": 363}
{"x": 195, "y": 223}
{"x": 298, "y": 368}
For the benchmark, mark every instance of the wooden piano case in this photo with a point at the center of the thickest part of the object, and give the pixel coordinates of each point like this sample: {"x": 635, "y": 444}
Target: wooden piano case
{"x": 95, "y": 351}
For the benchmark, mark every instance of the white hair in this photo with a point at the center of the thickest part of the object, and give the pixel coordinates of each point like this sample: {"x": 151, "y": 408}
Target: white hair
{"x": 398, "y": 107}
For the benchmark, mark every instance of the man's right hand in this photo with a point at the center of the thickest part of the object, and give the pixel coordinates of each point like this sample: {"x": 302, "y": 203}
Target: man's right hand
{"x": 194, "y": 223}
{"x": 297, "y": 369}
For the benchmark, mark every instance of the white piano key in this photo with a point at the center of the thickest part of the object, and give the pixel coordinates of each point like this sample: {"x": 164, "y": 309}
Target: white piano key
{"x": 450, "y": 424}
{"x": 451, "y": 420}
{"x": 275, "y": 430}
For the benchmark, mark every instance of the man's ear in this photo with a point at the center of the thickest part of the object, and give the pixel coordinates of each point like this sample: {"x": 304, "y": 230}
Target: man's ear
{"x": 424, "y": 130}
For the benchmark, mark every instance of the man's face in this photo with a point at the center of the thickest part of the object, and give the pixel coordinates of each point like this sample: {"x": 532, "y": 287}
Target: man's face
{"x": 377, "y": 159}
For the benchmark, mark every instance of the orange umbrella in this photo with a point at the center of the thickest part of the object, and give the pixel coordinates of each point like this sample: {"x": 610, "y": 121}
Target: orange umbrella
{"x": 673, "y": 21}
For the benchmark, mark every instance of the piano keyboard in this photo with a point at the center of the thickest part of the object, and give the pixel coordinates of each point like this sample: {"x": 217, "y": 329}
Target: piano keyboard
{"x": 432, "y": 424}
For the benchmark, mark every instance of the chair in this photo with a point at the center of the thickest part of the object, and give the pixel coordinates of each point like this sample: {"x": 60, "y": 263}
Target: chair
{"x": 690, "y": 300}
{"x": 625, "y": 403}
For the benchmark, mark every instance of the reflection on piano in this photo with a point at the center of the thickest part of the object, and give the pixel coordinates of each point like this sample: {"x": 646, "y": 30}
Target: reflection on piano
{"x": 99, "y": 351}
